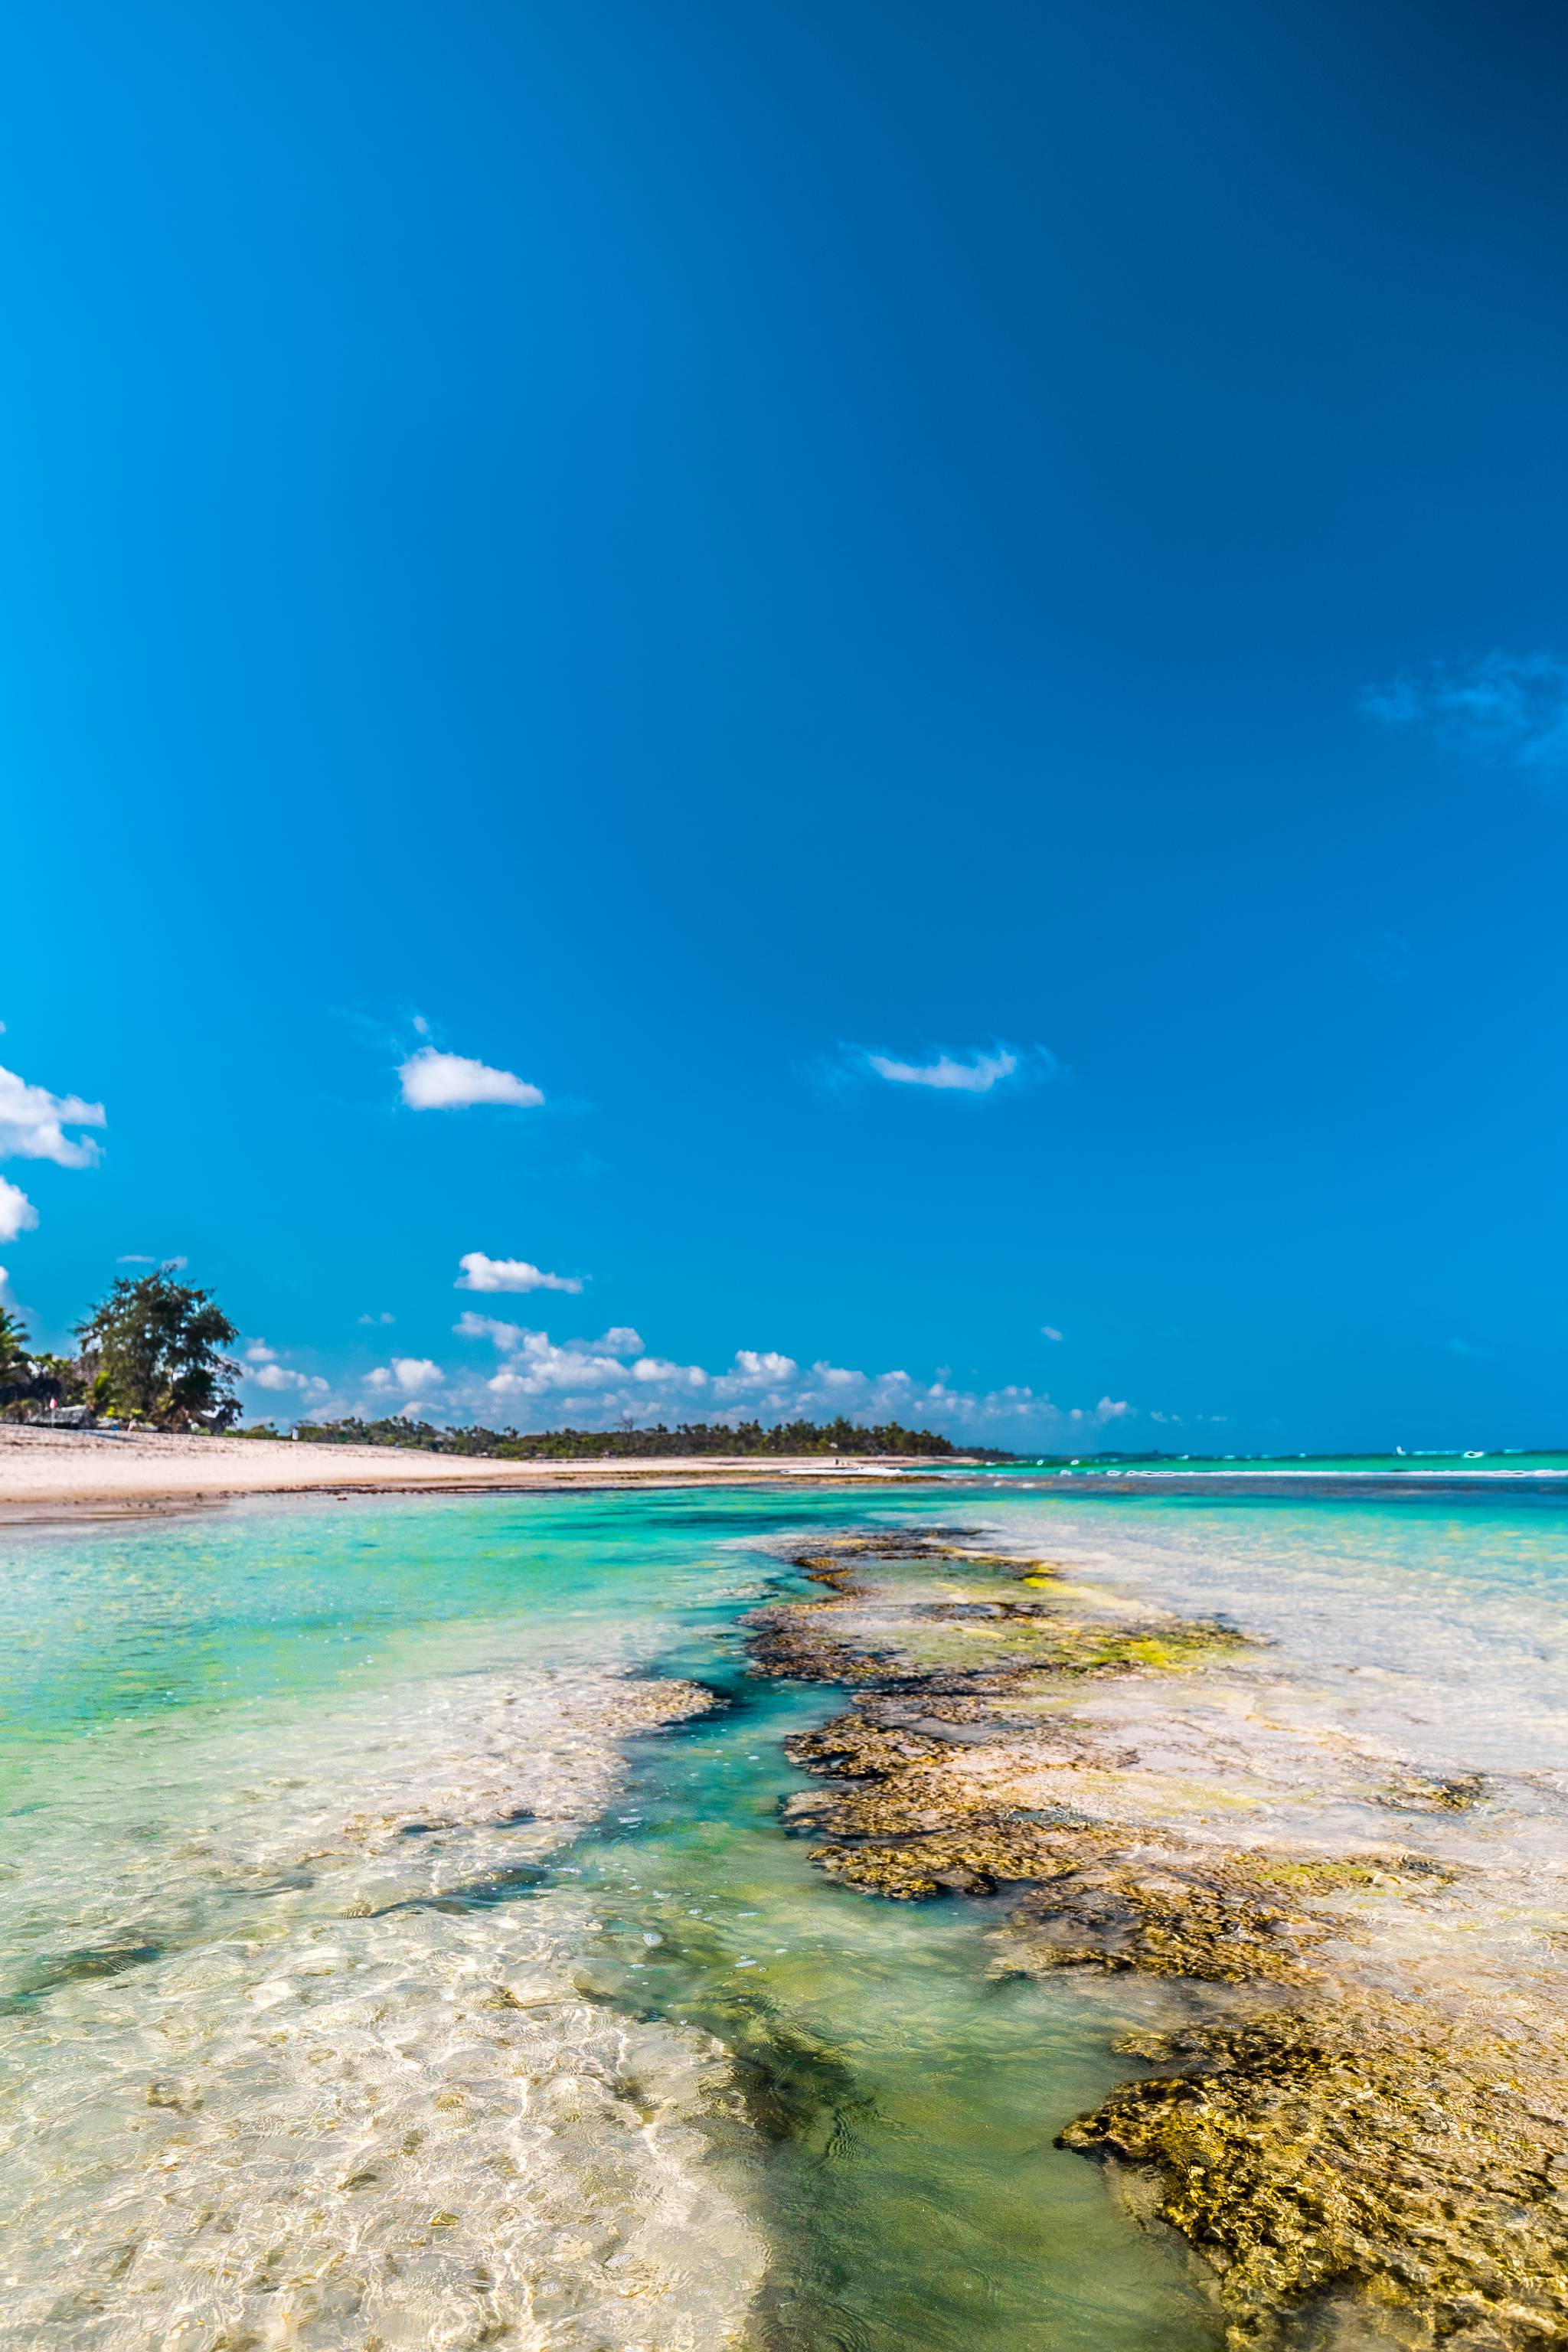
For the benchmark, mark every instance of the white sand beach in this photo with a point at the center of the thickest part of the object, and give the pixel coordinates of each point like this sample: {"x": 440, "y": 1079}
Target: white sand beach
{"x": 40, "y": 1467}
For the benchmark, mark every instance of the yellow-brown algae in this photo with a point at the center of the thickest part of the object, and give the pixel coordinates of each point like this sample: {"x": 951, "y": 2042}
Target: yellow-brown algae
{"x": 1366, "y": 2153}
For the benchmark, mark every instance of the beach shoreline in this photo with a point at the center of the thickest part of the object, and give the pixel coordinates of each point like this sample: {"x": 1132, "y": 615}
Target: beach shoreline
{"x": 98, "y": 1472}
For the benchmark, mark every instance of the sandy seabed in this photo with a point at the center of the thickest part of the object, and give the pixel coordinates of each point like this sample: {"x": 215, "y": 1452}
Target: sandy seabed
{"x": 290, "y": 2088}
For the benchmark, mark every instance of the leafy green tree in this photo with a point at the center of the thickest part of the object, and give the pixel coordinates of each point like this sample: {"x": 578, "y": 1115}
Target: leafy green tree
{"x": 154, "y": 1351}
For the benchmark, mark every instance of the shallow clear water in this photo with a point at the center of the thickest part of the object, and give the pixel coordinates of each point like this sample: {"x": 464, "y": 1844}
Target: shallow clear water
{"x": 352, "y": 1979}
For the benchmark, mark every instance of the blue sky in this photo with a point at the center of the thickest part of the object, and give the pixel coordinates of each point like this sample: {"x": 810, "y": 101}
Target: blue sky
{"x": 938, "y": 636}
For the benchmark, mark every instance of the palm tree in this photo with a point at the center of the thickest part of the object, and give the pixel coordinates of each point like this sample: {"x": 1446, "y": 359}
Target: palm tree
{"x": 14, "y": 1355}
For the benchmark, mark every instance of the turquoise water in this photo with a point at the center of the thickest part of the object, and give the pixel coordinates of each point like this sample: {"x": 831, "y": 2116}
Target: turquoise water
{"x": 1508, "y": 1464}
{"x": 285, "y": 1788}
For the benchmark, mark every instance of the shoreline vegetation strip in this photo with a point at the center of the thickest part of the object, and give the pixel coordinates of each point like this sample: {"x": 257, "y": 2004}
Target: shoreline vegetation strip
{"x": 1359, "y": 2111}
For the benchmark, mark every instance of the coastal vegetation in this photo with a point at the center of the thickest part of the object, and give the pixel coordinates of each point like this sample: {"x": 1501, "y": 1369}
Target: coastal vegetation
{"x": 29, "y": 1380}
{"x": 688, "y": 1438}
{"x": 150, "y": 1352}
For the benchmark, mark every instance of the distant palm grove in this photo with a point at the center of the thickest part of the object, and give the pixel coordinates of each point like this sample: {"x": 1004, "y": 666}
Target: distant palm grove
{"x": 689, "y": 1437}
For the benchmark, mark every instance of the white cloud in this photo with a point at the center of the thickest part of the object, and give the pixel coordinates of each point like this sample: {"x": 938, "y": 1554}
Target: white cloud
{"x": 504, "y": 1336}
{"x": 17, "y": 1214}
{"x": 482, "y": 1273}
{"x": 654, "y": 1368}
{"x": 620, "y": 1339}
{"x": 382, "y": 1317}
{"x": 282, "y": 1378}
{"x": 760, "y": 1369}
{"x": 539, "y": 1367}
{"x": 1049, "y": 1332}
{"x": 264, "y": 1370}
{"x": 32, "y": 1123}
{"x": 975, "y": 1077}
{"x": 435, "y": 1081}
{"x": 409, "y": 1372}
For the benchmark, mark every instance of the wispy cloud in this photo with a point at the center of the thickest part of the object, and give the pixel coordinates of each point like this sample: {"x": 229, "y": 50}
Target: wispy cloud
{"x": 382, "y": 1318}
{"x": 1509, "y": 709}
{"x": 976, "y": 1070}
{"x": 1467, "y": 1347}
{"x": 1049, "y": 1332}
{"x": 975, "y": 1077}
{"x": 432, "y": 1080}
{"x": 482, "y": 1273}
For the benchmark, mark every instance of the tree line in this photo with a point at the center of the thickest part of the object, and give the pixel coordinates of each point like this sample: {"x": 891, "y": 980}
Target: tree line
{"x": 152, "y": 1351}
{"x": 689, "y": 1437}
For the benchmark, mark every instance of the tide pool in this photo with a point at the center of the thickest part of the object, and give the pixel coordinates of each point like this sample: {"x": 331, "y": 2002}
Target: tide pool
{"x": 396, "y": 1944}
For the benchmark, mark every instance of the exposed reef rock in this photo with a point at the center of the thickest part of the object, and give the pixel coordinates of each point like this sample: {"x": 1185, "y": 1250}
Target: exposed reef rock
{"x": 1365, "y": 2154}
{"x": 1363, "y": 2133}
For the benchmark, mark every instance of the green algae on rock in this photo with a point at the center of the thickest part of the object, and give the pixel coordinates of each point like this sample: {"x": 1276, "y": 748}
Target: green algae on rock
{"x": 967, "y": 1638}
{"x": 1367, "y": 2153}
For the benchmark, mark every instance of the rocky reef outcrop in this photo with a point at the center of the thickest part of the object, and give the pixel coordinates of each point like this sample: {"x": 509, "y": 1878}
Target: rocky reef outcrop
{"x": 1359, "y": 2117}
